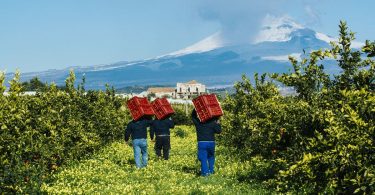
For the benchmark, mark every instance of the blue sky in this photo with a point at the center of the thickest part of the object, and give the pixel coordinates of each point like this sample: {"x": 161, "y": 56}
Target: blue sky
{"x": 38, "y": 35}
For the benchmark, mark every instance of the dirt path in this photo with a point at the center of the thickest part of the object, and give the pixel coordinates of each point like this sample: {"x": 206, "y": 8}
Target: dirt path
{"x": 112, "y": 171}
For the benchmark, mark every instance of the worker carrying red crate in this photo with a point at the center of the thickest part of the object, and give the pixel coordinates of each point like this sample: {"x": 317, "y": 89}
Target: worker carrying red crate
{"x": 139, "y": 107}
{"x": 162, "y": 108}
{"x": 161, "y": 126}
{"x": 141, "y": 111}
{"x": 207, "y": 107}
{"x": 205, "y": 118}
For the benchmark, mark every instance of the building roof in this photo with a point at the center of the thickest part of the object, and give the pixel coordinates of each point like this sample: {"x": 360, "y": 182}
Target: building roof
{"x": 160, "y": 90}
{"x": 192, "y": 82}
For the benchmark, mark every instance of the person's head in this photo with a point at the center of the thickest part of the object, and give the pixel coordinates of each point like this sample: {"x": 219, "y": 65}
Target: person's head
{"x": 147, "y": 117}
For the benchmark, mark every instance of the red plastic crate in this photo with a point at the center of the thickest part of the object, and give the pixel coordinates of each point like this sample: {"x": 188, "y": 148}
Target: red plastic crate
{"x": 207, "y": 107}
{"x": 139, "y": 107}
{"x": 162, "y": 108}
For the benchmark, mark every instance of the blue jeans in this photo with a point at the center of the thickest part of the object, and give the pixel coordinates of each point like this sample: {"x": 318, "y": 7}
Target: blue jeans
{"x": 140, "y": 146}
{"x": 206, "y": 154}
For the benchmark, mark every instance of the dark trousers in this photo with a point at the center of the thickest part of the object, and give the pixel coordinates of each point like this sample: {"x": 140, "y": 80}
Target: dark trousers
{"x": 163, "y": 143}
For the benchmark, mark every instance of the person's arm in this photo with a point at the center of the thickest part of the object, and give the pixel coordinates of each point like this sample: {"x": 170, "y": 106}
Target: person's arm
{"x": 128, "y": 132}
{"x": 152, "y": 132}
{"x": 171, "y": 123}
{"x": 217, "y": 127}
{"x": 194, "y": 117}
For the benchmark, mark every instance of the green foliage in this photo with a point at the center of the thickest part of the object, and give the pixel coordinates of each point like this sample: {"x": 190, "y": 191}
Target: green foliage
{"x": 369, "y": 48}
{"x": 42, "y": 132}
{"x": 320, "y": 141}
{"x": 340, "y": 156}
{"x": 179, "y": 132}
{"x": 308, "y": 77}
{"x": 2, "y": 81}
{"x": 182, "y": 114}
{"x": 34, "y": 85}
{"x": 150, "y": 96}
{"x": 69, "y": 82}
{"x": 15, "y": 85}
{"x": 355, "y": 75}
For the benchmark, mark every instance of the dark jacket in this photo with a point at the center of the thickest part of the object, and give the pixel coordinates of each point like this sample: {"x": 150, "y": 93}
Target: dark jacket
{"x": 161, "y": 127}
{"x": 205, "y": 131}
{"x": 137, "y": 129}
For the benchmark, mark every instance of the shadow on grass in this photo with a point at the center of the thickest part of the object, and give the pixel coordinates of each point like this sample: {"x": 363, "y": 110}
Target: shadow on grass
{"x": 197, "y": 192}
{"x": 131, "y": 161}
{"x": 191, "y": 170}
{"x": 258, "y": 175}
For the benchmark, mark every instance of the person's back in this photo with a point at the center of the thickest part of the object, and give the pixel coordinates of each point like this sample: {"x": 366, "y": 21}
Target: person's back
{"x": 137, "y": 129}
{"x": 206, "y": 142}
{"x": 161, "y": 128}
{"x": 206, "y": 131}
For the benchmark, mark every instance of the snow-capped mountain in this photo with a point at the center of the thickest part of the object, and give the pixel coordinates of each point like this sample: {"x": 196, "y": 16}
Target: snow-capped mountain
{"x": 273, "y": 29}
{"x": 215, "y": 60}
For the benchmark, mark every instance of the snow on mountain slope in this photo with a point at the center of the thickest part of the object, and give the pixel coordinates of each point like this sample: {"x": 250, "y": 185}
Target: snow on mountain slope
{"x": 284, "y": 58}
{"x": 324, "y": 37}
{"x": 212, "y": 42}
{"x": 328, "y": 39}
{"x": 276, "y": 29}
{"x": 273, "y": 29}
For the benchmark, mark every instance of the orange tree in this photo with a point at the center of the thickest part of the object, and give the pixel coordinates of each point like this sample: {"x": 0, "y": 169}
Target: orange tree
{"x": 322, "y": 138}
{"x": 40, "y": 133}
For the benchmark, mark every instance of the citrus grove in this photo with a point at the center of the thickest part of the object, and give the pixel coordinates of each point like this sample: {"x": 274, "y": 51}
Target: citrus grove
{"x": 320, "y": 140}
{"x": 111, "y": 170}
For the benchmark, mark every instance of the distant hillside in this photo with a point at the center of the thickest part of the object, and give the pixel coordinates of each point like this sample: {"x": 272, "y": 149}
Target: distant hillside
{"x": 211, "y": 61}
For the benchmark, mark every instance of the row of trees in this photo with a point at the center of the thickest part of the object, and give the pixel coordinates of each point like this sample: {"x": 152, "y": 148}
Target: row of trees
{"x": 321, "y": 140}
{"x": 35, "y": 84}
{"x": 40, "y": 133}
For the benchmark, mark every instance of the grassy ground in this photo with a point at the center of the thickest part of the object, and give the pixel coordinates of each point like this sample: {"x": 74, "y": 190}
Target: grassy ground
{"x": 112, "y": 171}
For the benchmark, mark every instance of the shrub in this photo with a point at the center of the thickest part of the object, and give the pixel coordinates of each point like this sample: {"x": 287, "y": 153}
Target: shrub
{"x": 322, "y": 139}
{"x": 181, "y": 117}
{"x": 40, "y": 133}
{"x": 181, "y": 133}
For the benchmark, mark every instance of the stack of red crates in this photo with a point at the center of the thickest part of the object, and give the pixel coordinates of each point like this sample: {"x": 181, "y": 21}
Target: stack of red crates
{"x": 162, "y": 108}
{"x": 139, "y": 107}
{"x": 207, "y": 107}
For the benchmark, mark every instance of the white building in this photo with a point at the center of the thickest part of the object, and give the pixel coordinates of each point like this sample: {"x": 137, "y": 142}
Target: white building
{"x": 162, "y": 91}
{"x": 189, "y": 89}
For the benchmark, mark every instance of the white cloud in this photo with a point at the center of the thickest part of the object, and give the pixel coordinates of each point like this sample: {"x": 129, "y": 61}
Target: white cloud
{"x": 313, "y": 15}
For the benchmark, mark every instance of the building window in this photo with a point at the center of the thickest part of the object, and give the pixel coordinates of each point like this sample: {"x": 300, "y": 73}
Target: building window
{"x": 189, "y": 89}
{"x": 197, "y": 89}
{"x": 180, "y": 89}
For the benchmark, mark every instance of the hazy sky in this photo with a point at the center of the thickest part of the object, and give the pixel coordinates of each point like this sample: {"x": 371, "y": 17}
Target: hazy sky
{"x": 50, "y": 34}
